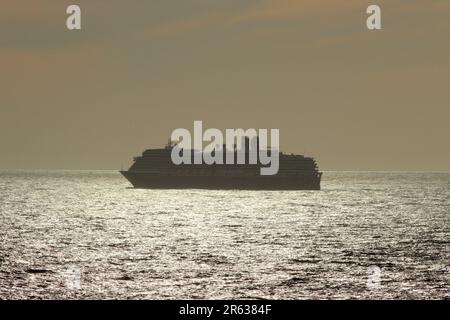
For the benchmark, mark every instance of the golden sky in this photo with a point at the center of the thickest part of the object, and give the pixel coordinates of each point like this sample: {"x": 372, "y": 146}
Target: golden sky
{"x": 354, "y": 99}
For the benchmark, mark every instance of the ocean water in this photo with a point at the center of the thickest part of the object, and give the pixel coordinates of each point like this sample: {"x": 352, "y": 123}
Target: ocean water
{"x": 72, "y": 234}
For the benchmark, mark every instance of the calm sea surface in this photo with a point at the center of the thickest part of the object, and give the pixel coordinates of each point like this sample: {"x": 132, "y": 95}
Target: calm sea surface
{"x": 89, "y": 235}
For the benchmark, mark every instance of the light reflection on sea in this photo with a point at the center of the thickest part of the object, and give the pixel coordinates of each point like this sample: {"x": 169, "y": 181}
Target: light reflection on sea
{"x": 167, "y": 244}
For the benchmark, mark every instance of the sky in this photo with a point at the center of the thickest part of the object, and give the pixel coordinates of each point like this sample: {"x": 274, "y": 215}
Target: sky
{"x": 352, "y": 98}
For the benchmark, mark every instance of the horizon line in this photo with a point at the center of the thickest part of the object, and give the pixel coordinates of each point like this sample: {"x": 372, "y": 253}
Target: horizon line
{"x": 118, "y": 170}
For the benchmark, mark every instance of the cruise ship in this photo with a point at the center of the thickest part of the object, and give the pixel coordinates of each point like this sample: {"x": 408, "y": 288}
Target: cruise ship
{"x": 154, "y": 169}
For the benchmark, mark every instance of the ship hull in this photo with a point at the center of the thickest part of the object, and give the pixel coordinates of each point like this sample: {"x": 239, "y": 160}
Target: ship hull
{"x": 143, "y": 180}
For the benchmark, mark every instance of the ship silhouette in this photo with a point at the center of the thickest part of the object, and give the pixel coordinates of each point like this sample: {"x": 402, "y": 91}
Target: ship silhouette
{"x": 154, "y": 169}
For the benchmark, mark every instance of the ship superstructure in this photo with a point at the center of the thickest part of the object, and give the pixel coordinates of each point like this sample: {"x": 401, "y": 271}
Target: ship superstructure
{"x": 154, "y": 169}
